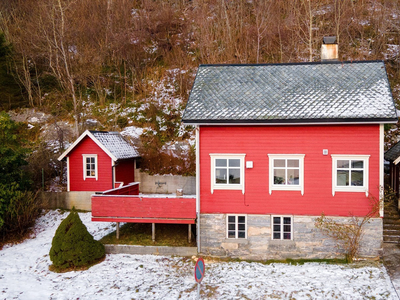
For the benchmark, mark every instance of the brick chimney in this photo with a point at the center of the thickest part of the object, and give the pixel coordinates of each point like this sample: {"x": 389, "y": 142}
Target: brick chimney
{"x": 329, "y": 49}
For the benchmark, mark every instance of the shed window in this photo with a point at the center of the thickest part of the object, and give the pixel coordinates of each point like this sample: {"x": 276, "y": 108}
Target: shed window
{"x": 89, "y": 166}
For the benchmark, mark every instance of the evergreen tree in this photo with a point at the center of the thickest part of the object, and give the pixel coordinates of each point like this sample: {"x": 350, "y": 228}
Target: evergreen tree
{"x": 15, "y": 195}
{"x": 73, "y": 246}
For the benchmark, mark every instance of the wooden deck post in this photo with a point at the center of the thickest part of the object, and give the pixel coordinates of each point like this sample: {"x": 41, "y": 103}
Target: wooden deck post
{"x": 153, "y": 231}
{"x": 117, "y": 230}
{"x": 190, "y": 233}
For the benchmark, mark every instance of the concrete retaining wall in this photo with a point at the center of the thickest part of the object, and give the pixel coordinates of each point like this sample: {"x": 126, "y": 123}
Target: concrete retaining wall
{"x": 154, "y": 250}
{"x": 67, "y": 200}
{"x": 165, "y": 184}
{"x": 308, "y": 241}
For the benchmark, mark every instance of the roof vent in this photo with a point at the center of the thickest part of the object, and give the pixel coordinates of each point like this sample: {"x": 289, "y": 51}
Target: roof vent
{"x": 329, "y": 49}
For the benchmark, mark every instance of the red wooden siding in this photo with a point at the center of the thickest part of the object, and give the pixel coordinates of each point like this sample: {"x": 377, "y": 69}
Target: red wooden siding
{"x": 104, "y": 182}
{"x": 137, "y": 209}
{"x": 125, "y": 171}
{"x": 259, "y": 141}
{"x": 131, "y": 189}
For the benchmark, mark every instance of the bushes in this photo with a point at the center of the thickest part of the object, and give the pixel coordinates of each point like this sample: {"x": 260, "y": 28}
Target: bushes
{"x": 18, "y": 204}
{"x": 18, "y": 212}
{"x": 73, "y": 246}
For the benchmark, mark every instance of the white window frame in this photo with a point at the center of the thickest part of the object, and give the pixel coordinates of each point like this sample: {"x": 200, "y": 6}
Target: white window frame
{"x": 236, "y": 226}
{"x": 336, "y": 188}
{"x": 227, "y": 186}
{"x": 84, "y": 156}
{"x": 281, "y": 229}
{"x": 286, "y": 187}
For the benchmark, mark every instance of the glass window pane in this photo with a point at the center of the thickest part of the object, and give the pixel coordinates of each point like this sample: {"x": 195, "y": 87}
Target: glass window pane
{"x": 277, "y": 220}
{"x": 88, "y": 173}
{"x": 231, "y": 219}
{"x": 92, "y": 173}
{"x": 277, "y": 228}
{"x": 357, "y": 178}
{"x": 92, "y": 166}
{"x": 277, "y": 236}
{"x": 88, "y": 160}
{"x": 241, "y": 227}
{"x": 293, "y": 163}
{"x": 293, "y": 176}
{"x": 231, "y": 227}
{"x": 286, "y": 236}
{"x": 220, "y": 162}
{"x": 279, "y": 163}
{"x": 241, "y": 219}
{"x": 234, "y": 163}
{"x": 279, "y": 176}
{"x": 241, "y": 235}
{"x": 231, "y": 234}
{"x": 234, "y": 176}
{"x": 359, "y": 164}
{"x": 286, "y": 228}
{"x": 220, "y": 176}
{"x": 87, "y": 166}
{"x": 342, "y": 163}
{"x": 287, "y": 220}
{"x": 342, "y": 178}
{"x": 92, "y": 160}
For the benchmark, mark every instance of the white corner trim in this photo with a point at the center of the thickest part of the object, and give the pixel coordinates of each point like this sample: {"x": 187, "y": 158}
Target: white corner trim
{"x": 381, "y": 168}
{"x": 68, "y": 176}
{"x": 275, "y": 187}
{"x": 197, "y": 145}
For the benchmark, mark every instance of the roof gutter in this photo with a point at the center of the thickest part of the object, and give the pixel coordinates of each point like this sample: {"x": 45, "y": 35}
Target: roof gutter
{"x": 285, "y": 122}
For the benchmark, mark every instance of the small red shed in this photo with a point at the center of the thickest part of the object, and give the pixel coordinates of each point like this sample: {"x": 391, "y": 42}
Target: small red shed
{"x": 280, "y": 144}
{"x": 98, "y": 161}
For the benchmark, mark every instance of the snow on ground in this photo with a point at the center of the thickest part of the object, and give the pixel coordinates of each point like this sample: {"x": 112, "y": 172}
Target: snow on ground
{"x": 24, "y": 274}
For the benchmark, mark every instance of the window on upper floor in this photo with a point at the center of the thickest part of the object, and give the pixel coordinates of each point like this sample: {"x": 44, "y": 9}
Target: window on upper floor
{"x": 227, "y": 172}
{"x": 89, "y": 166}
{"x": 350, "y": 173}
{"x": 286, "y": 172}
{"x": 236, "y": 226}
{"x": 282, "y": 228}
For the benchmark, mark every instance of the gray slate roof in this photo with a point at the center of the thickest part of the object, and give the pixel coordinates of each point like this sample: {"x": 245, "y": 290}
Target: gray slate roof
{"x": 393, "y": 153}
{"x": 291, "y": 93}
{"x": 116, "y": 144}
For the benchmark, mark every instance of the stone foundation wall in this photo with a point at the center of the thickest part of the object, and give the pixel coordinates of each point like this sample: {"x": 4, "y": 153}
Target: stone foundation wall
{"x": 308, "y": 241}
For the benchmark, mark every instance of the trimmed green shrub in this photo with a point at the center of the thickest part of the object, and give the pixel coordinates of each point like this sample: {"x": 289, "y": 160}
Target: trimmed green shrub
{"x": 73, "y": 246}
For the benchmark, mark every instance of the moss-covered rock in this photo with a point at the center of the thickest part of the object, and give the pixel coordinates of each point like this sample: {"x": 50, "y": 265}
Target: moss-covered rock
{"x": 73, "y": 246}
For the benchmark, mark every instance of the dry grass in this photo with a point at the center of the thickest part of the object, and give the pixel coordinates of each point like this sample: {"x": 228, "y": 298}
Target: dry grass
{"x": 174, "y": 235}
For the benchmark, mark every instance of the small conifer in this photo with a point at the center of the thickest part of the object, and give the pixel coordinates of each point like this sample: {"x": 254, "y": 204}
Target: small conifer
{"x": 73, "y": 246}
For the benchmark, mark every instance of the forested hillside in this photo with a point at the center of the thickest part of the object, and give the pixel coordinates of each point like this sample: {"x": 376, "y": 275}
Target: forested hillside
{"x": 116, "y": 64}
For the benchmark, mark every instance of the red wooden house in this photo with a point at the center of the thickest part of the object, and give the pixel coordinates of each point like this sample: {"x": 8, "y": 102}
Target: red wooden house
{"x": 99, "y": 161}
{"x": 279, "y": 144}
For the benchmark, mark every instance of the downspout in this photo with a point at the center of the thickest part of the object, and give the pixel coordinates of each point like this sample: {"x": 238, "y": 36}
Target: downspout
{"x": 198, "y": 186}
{"x": 113, "y": 165}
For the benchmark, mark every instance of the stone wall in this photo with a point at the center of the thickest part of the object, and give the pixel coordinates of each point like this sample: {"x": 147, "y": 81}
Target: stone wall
{"x": 308, "y": 241}
{"x": 165, "y": 184}
{"x": 66, "y": 200}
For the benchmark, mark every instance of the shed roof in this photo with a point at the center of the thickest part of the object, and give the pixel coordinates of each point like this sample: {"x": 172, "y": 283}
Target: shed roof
{"x": 323, "y": 92}
{"x": 110, "y": 142}
{"x": 393, "y": 153}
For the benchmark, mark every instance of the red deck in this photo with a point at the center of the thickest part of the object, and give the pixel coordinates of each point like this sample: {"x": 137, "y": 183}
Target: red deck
{"x": 112, "y": 207}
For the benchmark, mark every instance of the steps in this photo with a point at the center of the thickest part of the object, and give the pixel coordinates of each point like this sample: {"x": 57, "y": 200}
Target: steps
{"x": 391, "y": 225}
